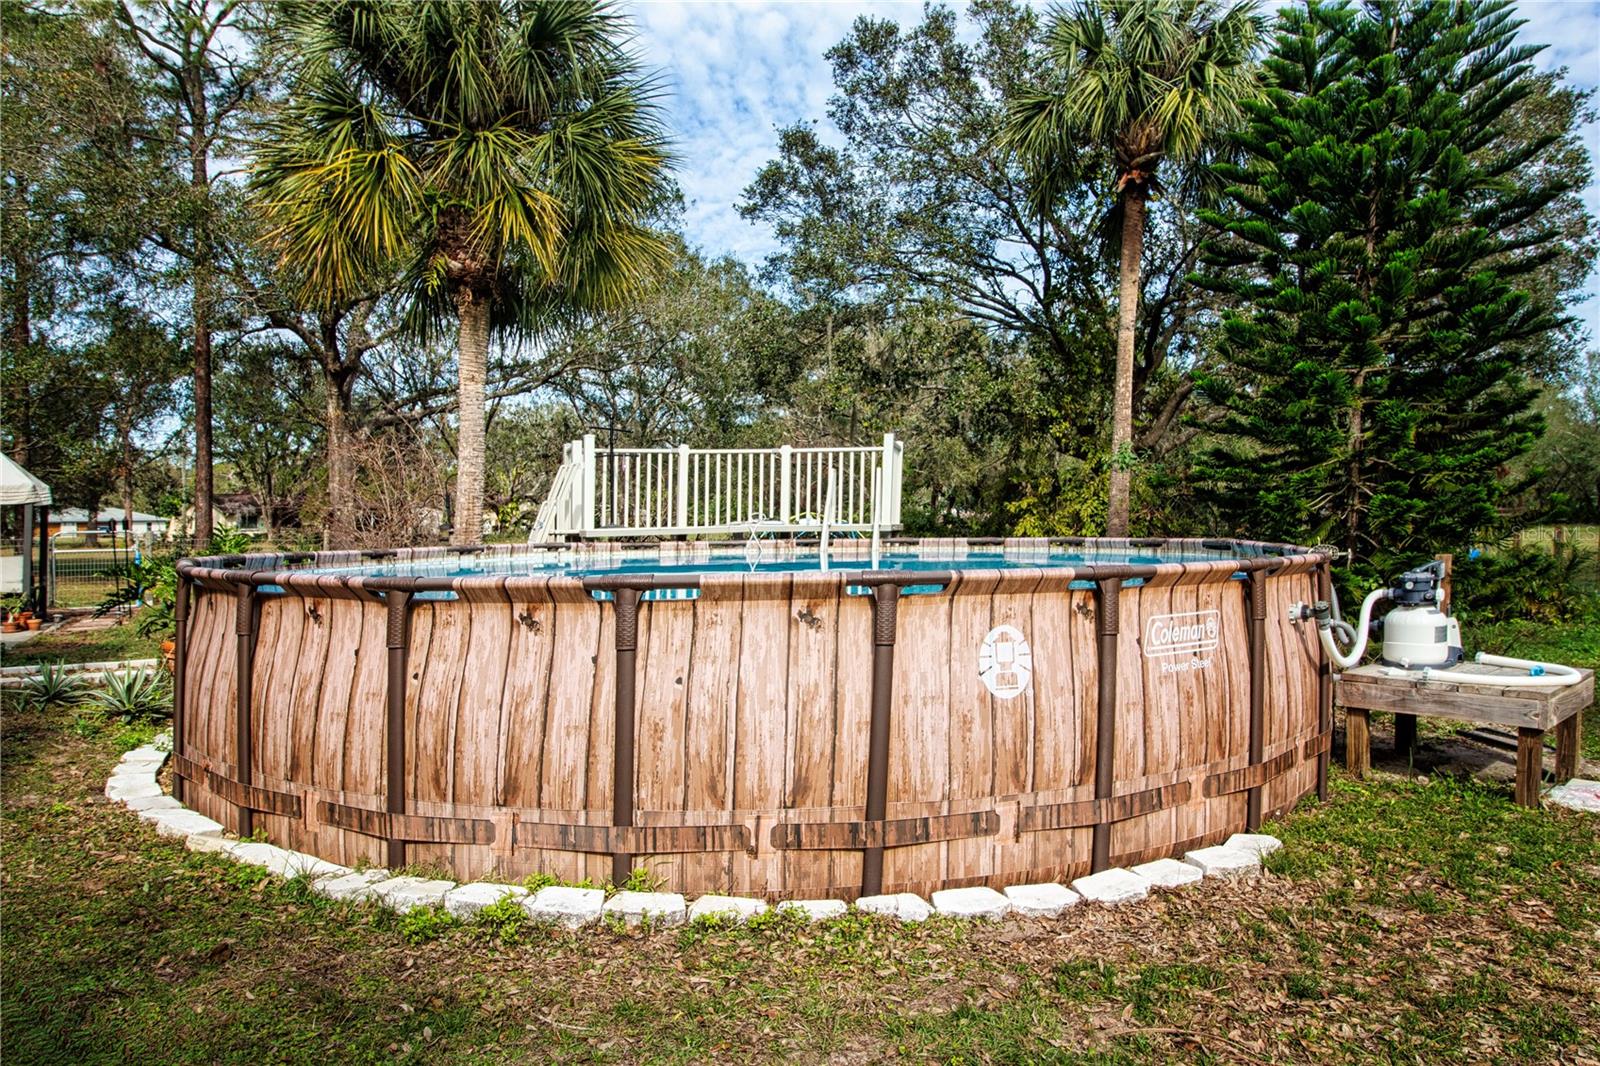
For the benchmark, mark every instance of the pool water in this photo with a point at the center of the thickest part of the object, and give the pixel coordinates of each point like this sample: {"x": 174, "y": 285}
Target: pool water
{"x": 758, "y": 558}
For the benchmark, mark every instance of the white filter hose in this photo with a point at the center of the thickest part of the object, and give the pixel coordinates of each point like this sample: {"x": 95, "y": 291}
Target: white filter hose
{"x": 1363, "y": 627}
{"x": 1554, "y": 675}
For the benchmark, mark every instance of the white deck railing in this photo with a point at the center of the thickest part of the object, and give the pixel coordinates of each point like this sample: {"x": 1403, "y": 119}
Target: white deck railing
{"x": 597, "y": 492}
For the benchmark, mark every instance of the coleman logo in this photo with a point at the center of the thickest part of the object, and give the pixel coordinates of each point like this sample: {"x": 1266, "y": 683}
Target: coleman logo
{"x": 1182, "y": 634}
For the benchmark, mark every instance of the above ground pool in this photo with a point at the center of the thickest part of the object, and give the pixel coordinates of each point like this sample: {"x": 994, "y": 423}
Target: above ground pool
{"x": 968, "y": 712}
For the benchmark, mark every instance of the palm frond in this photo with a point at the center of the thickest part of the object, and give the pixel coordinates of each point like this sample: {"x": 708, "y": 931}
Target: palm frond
{"x": 1150, "y": 78}
{"x": 523, "y": 130}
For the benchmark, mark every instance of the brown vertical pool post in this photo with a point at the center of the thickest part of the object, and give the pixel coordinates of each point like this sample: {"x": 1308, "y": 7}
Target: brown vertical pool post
{"x": 626, "y": 603}
{"x": 1256, "y": 593}
{"x": 1324, "y": 690}
{"x": 1109, "y": 611}
{"x": 397, "y": 637}
{"x": 244, "y": 629}
{"x": 180, "y": 656}
{"x": 885, "y": 622}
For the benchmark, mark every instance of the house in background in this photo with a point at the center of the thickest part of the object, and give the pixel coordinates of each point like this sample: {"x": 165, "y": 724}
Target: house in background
{"x": 241, "y": 511}
{"x": 75, "y": 521}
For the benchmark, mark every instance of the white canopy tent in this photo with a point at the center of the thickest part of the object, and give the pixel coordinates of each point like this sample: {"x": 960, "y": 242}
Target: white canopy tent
{"x": 18, "y": 488}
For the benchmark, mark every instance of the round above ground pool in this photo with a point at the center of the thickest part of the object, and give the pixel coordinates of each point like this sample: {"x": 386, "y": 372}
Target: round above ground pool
{"x": 969, "y": 712}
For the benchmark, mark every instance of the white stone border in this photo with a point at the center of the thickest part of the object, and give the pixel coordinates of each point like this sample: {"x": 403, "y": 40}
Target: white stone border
{"x": 133, "y": 784}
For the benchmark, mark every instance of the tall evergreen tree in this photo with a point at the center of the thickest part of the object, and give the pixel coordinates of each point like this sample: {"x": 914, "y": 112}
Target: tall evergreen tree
{"x": 1380, "y": 239}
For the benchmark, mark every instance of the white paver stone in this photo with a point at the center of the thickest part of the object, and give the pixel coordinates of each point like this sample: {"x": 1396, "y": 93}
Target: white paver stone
{"x": 126, "y": 788}
{"x": 405, "y": 894}
{"x": 142, "y": 760}
{"x": 1262, "y": 844}
{"x": 1223, "y": 861}
{"x": 573, "y": 908}
{"x": 660, "y": 908}
{"x": 183, "y": 823}
{"x": 1168, "y": 873}
{"x": 907, "y": 906}
{"x": 145, "y": 753}
{"x": 727, "y": 908}
{"x": 1579, "y": 794}
{"x": 465, "y": 901}
{"x": 299, "y": 864}
{"x": 207, "y": 842}
{"x": 979, "y": 902}
{"x": 255, "y": 853}
{"x": 1112, "y": 887}
{"x": 352, "y": 887}
{"x": 815, "y": 910}
{"x": 1047, "y": 900}
{"x": 153, "y": 803}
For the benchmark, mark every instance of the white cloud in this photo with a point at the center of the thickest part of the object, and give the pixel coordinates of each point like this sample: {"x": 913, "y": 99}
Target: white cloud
{"x": 736, "y": 72}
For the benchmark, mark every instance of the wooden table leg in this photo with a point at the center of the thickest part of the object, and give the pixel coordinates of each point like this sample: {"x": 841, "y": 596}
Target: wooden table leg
{"x": 1405, "y": 734}
{"x": 1569, "y": 735}
{"x": 1357, "y": 742}
{"x": 1530, "y": 766}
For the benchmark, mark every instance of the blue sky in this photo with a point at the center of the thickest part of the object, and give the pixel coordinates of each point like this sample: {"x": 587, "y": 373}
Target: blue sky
{"x": 736, "y": 72}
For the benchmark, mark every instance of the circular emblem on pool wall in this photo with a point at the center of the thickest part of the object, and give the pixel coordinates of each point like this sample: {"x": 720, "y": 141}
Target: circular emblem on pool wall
{"x": 1005, "y": 662}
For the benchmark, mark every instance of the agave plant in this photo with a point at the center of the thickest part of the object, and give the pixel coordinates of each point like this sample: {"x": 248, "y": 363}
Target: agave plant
{"x": 135, "y": 696}
{"x": 54, "y": 686}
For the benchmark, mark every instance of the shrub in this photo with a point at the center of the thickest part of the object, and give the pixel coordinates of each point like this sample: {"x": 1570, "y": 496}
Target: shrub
{"x": 505, "y": 920}
{"x": 54, "y": 686}
{"x": 641, "y": 880}
{"x": 1532, "y": 583}
{"x": 423, "y": 924}
{"x": 135, "y": 696}
{"x": 230, "y": 542}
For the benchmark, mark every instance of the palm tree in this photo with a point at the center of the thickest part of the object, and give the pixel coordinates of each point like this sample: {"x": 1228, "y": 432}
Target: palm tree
{"x": 1150, "y": 80}
{"x": 500, "y": 159}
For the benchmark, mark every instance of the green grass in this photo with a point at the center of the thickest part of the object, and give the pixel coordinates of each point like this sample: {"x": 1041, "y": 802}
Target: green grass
{"x": 1404, "y": 921}
{"x": 85, "y": 646}
{"x": 1577, "y": 644}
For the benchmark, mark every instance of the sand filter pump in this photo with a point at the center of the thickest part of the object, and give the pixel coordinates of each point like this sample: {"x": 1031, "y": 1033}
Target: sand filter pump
{"x": 1419, "y": 640}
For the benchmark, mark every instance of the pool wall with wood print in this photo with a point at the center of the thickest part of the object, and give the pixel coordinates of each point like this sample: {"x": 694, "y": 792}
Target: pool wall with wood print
{"x": 781, "y": 730}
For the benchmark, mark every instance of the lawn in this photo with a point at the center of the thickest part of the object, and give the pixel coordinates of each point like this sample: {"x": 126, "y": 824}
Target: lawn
{"x": 114, "y": 643}
{"x": 1421, "y": 920}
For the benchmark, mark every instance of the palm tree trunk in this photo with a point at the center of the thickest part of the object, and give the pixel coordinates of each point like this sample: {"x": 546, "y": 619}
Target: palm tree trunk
{"x": 472, "y": 359}
{"x": 1122, "y": 398}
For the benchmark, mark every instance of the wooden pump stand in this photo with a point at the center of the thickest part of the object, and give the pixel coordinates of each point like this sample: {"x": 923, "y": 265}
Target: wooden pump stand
{"x": 1532, "y": 711}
